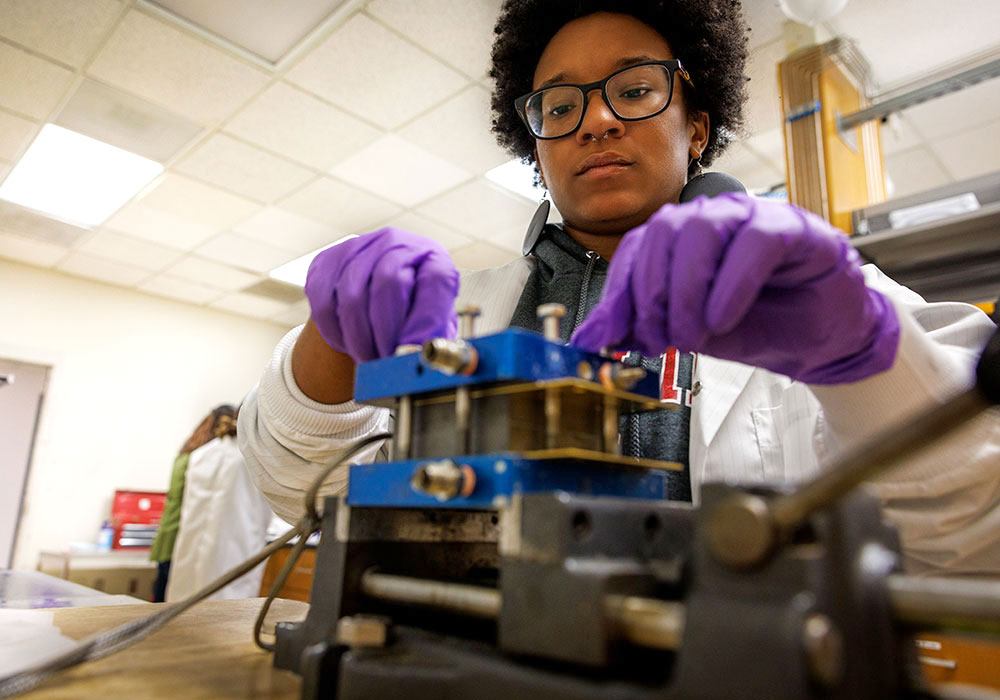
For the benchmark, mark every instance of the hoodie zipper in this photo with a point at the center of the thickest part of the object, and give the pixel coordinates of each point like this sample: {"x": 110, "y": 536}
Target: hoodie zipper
{"x": 581, "y": 303}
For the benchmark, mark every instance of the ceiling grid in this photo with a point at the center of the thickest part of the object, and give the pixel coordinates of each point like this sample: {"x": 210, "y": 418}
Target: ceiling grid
{"x": 284, "y": 157}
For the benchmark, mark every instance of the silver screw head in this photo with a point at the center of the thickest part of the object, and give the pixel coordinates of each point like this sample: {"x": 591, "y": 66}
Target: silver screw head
{"x": 467, "y": 320}
{"x": 551, "y": 309}
{"x": 550, "y": 315}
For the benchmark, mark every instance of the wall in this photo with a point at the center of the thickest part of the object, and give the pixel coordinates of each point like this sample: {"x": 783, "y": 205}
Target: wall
{"x": 131, "y": 377}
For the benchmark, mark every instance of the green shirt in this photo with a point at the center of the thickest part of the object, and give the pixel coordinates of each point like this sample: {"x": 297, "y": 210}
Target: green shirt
{"x": 163, "y": 544}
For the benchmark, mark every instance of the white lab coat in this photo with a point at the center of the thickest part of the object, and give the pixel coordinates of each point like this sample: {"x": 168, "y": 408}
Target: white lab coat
{"x": 224, "y": 520}
{"x": 747, "y": 425}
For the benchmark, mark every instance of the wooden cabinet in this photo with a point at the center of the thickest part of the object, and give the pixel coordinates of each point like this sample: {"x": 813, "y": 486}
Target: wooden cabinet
{"x": 299, "y": 581}
{"x": 953, "y": 659}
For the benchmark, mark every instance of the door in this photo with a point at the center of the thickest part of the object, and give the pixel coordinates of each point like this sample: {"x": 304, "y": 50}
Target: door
{"x": 22, "y": 389}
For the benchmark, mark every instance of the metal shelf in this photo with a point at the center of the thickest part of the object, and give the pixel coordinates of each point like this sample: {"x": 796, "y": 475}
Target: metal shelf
{"x": 955, "y": 259}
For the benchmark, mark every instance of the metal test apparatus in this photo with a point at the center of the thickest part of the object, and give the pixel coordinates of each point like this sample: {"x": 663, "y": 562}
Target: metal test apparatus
{"x": 509, "y": 550}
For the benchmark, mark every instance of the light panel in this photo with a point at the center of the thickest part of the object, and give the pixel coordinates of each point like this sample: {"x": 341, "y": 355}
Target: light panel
{"x": 294, "y": 271}
{"x": 75, "y": 178}
{"x": 517, "y": 177}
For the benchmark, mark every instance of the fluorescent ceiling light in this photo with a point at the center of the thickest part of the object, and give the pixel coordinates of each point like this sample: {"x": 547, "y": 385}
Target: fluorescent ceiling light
{"x": 294, "y": 271}
{"x": 517, "y": 177}
{"x": 75, "y": 178}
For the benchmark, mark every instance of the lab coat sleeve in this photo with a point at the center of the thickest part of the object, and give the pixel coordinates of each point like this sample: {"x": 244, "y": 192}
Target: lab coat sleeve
{"x": 946, "y": 500}
{"x": 287, "y": 438}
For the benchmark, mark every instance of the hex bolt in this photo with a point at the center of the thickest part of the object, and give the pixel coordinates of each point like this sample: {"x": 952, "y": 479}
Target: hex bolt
{"x": 443, "y": 479}
{"x": 362, "y": 631}
{"x": 824, "y": 647}
{"x": 467, "y": 320}
{"x": 550, "y": 315}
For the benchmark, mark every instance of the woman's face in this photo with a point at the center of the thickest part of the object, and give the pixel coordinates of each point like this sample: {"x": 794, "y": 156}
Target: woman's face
{"x": 654, "y": 152}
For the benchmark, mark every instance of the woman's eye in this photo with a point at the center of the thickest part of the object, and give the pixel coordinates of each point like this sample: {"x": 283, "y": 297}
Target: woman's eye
{"x": 561, "y": 110}
{"x": 634, "y": 93}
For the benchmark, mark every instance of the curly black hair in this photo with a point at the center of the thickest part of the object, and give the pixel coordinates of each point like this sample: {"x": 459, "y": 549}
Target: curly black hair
{"x": 708, "y": 36}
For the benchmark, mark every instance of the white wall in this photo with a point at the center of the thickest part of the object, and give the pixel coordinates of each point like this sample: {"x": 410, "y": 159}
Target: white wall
{"x": 132, "y": 375}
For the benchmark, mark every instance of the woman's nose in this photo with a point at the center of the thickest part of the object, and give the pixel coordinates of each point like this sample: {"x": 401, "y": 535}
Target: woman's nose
{"x": 598, "y": 119}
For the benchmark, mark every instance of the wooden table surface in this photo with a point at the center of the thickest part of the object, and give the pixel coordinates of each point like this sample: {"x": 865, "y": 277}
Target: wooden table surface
{"x": 206, "y": 652}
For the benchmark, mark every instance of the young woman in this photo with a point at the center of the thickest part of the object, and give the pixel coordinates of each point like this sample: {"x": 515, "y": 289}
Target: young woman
{"x": 780, "y": 348}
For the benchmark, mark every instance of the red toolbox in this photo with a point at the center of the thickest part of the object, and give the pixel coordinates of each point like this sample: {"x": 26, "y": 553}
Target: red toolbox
{"x": 135, "y": 515}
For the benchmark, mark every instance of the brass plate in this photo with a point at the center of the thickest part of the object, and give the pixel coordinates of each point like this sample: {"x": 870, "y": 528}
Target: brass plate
{"x": 570, "y": 386}
{"x": 580, "y": 454}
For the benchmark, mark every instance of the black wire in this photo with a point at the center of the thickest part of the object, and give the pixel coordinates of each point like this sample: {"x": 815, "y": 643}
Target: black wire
{"x": 279, "y": 581}
{"x": 315, "y": 518}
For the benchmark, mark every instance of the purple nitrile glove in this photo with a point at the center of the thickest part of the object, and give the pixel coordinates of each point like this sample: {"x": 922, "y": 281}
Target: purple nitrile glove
{"x": 380, "y": 290}
{"x": 749, "y": 280}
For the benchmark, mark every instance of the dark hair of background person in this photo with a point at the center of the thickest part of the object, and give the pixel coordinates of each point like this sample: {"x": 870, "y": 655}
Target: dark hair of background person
{"x": 709, "y": 37}
{"x": 222, "y": 418}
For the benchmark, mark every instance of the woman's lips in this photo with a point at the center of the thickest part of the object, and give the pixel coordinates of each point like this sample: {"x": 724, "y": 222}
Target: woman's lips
{"x": 601, "y": 164}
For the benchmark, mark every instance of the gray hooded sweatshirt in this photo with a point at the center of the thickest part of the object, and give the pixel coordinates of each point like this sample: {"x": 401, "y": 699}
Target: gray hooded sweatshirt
{"x": 567, "y": 273}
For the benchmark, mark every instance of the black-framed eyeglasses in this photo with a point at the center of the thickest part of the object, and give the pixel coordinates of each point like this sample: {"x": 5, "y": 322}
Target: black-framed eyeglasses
{"x": 633, "y": 93}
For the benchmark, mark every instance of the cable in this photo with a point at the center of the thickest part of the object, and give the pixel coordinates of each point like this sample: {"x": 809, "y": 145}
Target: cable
{"x": 104, "y": 644}
{"x": 316, "y": 518}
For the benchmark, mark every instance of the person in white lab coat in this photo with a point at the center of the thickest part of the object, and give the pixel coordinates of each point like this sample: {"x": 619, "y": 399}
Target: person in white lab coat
{"x": 224, "y": 520}
{"x": 778, "y": 346}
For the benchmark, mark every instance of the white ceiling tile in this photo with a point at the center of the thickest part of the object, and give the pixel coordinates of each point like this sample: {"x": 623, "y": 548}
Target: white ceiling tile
{"x": 362, "y": 54}
{"x": 205, "y": 204}
{"x": 459, "y": 130}
{"x": 268, "y": 29}
{"x": 294, "y": 315}
{"x": 129, "y": 250}
{"x": 904, "y": 39}
{"x": 445, "y": 235}
{"x": 31, "y": 224}
{"x": 400, "y": 171}
{"x": 479, "y": 256}
{"x": 291, "y": 232}
{"x": 250, "y": 305}
{"x": 182, "y": 290}
{"x": 159, "y": 226}
{"x": 29, "y": 250}
{"x": 30, "y": 85}
{"x": 765, "y": 20}
{"x": 242, "y": 168}
{"x": 121, "y": 119}
{"x": 212, "y": 274}
{"x": 764, "y": 108}
{"x": 945, "y": 116}
{"x": 66, "y": 30}
{"x": 970, "y": 152}
{"x": 346, "y": 209}
{"x": 15, "y": 133}
{"x": 914, "y": 171}
{"x": 84, "y": 265}
{"x": 290, "y": 122}
{"x": 511, "y": 239}
{"x": 459, "y": 31}
{"x": 481, "y": 209}
{"x": 244, "y": 252}
{"x": 899, "y": 134}
{"x": 167, "y": 66}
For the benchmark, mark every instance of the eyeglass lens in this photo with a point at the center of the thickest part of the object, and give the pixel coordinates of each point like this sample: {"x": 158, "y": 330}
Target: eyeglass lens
{"x": 635, "y": 93}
